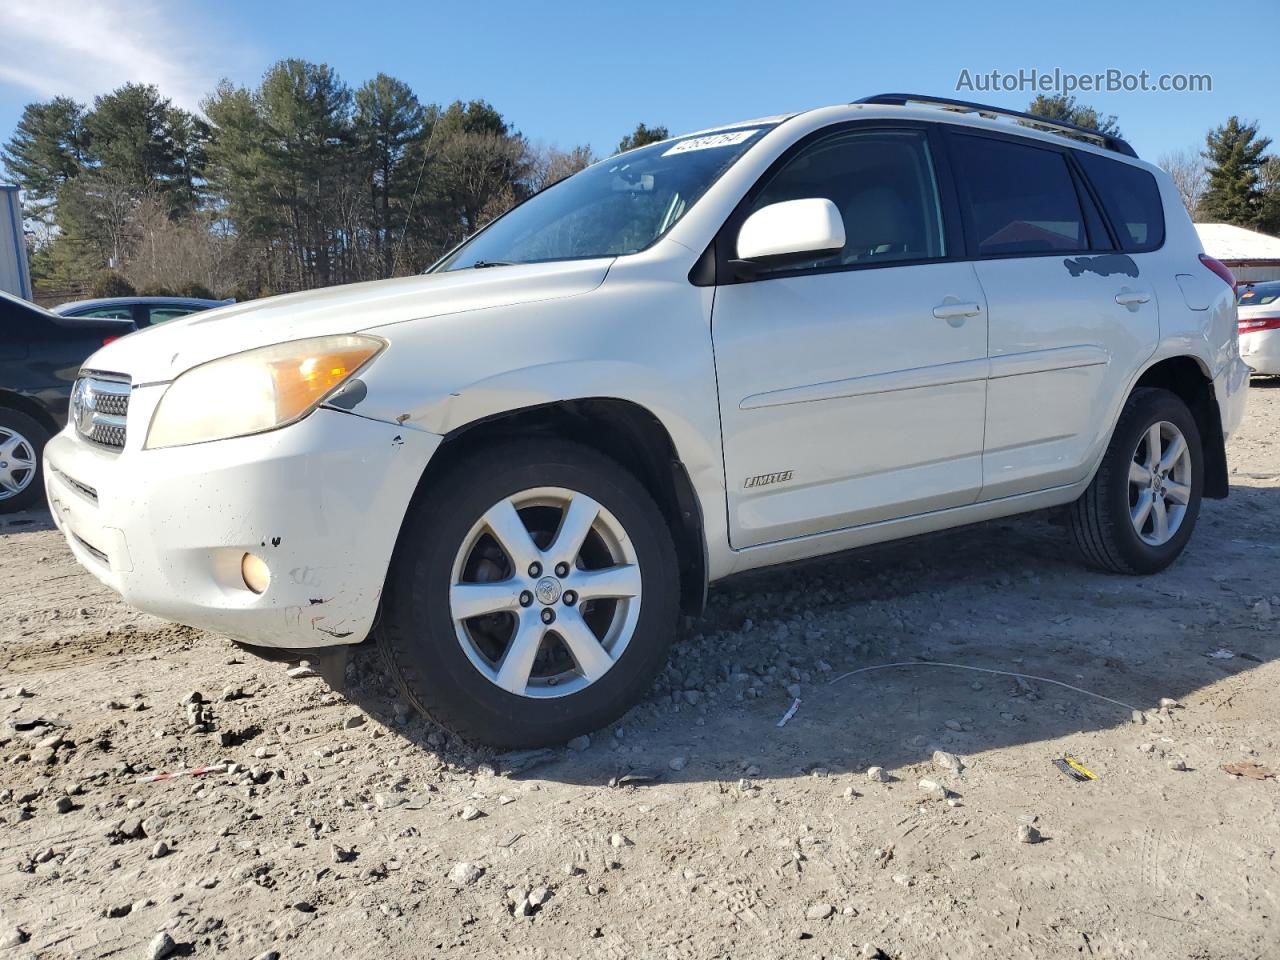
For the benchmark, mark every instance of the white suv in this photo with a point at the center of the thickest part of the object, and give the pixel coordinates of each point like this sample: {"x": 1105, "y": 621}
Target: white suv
{"x": 731, "y": 349}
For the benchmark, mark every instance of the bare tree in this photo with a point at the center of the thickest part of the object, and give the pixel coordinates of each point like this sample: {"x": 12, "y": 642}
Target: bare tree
{"x": 551, "y": 164}
{"x": 477, "y": 177}
{"x": 169, "y": 254}
{"x": 1189, "y": 174}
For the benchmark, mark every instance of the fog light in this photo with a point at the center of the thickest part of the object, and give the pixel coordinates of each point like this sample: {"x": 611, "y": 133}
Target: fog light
{"x": 257, "y": 577}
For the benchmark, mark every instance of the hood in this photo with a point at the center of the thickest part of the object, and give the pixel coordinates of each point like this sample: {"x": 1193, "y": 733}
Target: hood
{"x": 158, "y": 354}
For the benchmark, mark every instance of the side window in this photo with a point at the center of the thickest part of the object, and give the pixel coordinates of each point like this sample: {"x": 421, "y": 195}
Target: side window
{"x": 108, "y": 313}
{"x": 1019, "y": 199}
{"x": 162, "y": 314}
{"x": 1131, "y": 198}
{"x": 882, "y": 183}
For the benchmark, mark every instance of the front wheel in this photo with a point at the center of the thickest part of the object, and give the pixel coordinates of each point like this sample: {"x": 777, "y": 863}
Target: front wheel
{"x": 1138, "y": 513}
{"x": 533, "y": 596}
{"x": 22, "y": 442}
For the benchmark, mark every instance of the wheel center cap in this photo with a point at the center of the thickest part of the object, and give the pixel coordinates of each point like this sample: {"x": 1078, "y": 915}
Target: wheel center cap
{"x": 547, "y": 590}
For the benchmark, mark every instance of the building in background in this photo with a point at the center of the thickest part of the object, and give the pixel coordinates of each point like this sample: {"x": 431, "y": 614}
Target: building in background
{"x": 15, "y": 278}
{"x": 1250, "y": 255}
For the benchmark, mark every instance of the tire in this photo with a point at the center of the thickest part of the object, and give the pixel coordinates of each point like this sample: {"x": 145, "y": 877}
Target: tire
{"x": 22, "y": 441}
{"x": 463, "y": 673}
{"x": 1102, "y": 521}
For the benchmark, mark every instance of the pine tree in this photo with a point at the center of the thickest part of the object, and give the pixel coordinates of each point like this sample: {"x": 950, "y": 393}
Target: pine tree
{"x": 388, "y": 120}
{"x": 236, "y": 158}
{"x": 478, "y": 117}
{"x": 46, "y": 151}
{"x": 1269, "y": 208}
{"x": 642, "y": 136}
{"x": 139, "y": 140}
{"x": 1234, "y": 153}
{"x": 1064, "y": 108}
{"x": 305, "y": 111}
{"x": 293, "y": 183}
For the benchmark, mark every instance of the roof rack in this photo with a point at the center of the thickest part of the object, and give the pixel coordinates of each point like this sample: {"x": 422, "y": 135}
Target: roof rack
{"x": 1062, "y": 127}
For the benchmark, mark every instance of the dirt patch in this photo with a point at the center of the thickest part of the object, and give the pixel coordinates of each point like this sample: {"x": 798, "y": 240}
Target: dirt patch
{"x": 696, "y": 827}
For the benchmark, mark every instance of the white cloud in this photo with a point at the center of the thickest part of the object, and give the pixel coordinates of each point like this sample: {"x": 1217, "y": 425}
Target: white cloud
{"x": 50, "y": 47}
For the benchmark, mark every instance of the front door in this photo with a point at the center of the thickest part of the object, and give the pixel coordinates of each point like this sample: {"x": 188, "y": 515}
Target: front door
{"x": 853, "y": 388}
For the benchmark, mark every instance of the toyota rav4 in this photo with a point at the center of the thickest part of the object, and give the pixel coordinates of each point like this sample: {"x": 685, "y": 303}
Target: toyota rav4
{"x": 732, "y": 349}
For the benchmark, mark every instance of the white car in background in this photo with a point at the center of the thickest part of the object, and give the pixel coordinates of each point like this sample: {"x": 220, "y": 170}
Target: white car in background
{"x": 1258, "y": 306}
{"x": 732, "y": 349}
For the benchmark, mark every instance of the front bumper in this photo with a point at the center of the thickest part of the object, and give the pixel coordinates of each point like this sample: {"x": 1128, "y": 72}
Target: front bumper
{"x": 321, "y": 501}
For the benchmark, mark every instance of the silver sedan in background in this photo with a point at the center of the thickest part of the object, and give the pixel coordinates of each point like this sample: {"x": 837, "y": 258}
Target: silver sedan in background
{"x": 1258, "y": 313}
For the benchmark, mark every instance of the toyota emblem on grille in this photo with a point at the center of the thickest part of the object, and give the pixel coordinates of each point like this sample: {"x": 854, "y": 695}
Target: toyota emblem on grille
{"x": 84, "y": 404}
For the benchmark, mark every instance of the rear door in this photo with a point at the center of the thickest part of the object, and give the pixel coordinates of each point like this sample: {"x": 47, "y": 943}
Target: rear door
{"x": 1071, "y": 316}
{"x": 852, "y": 388}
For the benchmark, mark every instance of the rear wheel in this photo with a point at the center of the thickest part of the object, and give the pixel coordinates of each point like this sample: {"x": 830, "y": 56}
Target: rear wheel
{"x": 533, "y": 597}
{"x": 1138, "y": 513}
{"x": 22, "y": 441}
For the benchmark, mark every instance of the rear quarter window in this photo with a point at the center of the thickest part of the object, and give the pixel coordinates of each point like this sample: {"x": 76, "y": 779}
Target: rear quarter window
{"x": 1131, "y": 199}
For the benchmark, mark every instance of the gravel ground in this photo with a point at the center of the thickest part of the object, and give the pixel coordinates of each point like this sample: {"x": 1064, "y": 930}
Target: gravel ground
{"x": 696, "y": 827}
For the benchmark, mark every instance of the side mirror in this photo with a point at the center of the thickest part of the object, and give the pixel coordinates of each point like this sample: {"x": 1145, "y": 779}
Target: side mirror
{"x": 789, "y": 232}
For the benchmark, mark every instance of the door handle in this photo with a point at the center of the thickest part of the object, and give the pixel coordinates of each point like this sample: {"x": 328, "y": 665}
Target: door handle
{"x": 956, "y": 313}
{"x": 1132, "y": 298}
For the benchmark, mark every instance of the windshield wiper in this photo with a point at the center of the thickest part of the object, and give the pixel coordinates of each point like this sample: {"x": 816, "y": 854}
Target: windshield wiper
{"x": 482, "y": 264}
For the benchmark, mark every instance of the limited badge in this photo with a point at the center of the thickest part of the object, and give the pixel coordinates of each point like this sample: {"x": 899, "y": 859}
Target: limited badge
{"x": 764, "y": 479}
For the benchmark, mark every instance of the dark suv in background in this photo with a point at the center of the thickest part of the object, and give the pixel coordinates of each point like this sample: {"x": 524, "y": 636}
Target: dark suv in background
{"x": 40, "y": 356}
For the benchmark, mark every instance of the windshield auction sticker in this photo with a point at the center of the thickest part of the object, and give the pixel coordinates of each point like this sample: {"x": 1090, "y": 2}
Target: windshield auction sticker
{"x": 710, "y": 141}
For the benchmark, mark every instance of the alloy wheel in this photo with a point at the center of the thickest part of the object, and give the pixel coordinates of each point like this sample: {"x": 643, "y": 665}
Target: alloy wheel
{"x": 1159, "y": 483}
{"x": 17, "y": 463}
{"x": 545, "y": 592}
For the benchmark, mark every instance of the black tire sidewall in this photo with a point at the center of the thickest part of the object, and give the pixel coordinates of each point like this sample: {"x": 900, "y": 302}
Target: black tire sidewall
{"x": 1147, "y": 408}
{"x": 418, "y": 632}
{"x": 35, "y": 434}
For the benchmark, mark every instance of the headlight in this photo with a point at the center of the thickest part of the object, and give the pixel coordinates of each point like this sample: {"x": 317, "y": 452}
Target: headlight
{"x": 257, "y": 390}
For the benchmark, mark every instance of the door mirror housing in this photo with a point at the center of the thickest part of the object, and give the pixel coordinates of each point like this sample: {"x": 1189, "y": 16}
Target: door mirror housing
{"x": 789, "y": 232}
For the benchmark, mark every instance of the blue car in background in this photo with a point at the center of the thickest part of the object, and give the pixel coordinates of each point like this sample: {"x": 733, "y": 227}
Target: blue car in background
{"x": 142, "y": 311}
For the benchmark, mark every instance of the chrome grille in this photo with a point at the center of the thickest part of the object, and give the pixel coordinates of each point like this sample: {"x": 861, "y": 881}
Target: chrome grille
{"x": 114, "y": 404}
{"x": 100, "y": 408}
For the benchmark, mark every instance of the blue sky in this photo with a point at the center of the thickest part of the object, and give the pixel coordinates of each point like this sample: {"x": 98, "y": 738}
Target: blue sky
{"x": 573, "y": 72}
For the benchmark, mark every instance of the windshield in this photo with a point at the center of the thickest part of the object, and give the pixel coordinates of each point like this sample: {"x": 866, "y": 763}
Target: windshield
{"x": 618, "y": 206}
{"x": 1258, "y": 294}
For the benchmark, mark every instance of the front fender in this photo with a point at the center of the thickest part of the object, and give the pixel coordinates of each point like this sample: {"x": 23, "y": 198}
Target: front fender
{"x": 557, "y": 382}
{"x": 647, "y": 344}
